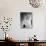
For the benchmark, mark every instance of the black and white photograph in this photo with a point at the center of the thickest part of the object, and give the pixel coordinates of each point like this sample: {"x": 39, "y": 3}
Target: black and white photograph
{"x": 26, "y": 20}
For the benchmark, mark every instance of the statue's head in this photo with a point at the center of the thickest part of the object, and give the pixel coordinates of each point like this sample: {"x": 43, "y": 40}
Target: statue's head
{"x": 35, "y": 3}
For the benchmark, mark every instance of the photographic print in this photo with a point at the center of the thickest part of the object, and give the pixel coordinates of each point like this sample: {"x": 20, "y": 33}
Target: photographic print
{"x": 26, "y": 19}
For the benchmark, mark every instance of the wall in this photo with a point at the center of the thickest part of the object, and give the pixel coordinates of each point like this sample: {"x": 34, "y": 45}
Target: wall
{"x": 12, "y": 8}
